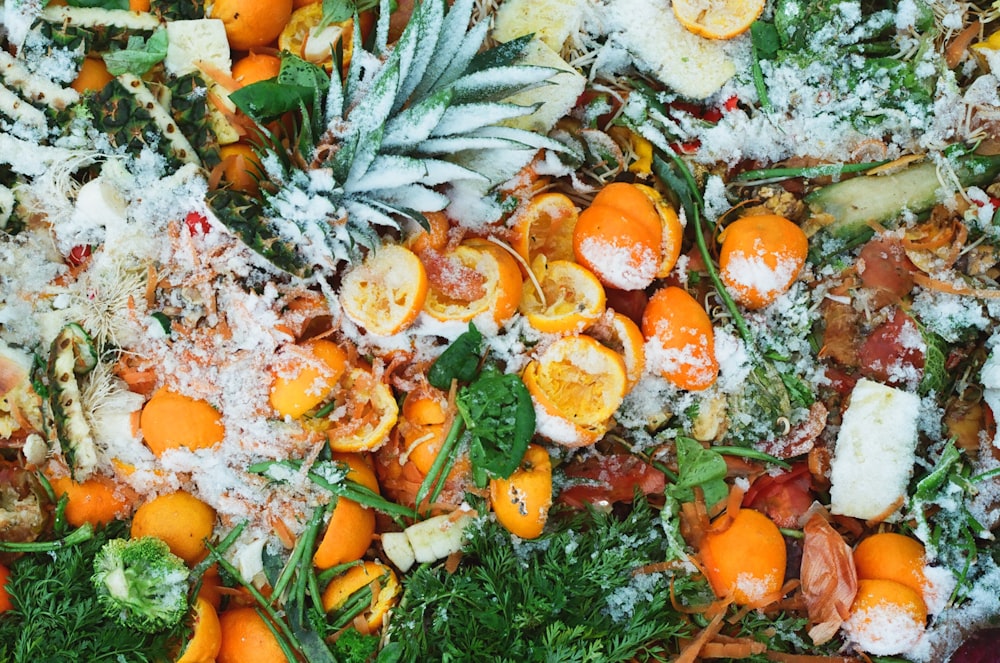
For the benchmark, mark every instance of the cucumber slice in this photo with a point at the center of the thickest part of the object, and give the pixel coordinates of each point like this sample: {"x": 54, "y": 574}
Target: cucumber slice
{"x": 847, "y": 209}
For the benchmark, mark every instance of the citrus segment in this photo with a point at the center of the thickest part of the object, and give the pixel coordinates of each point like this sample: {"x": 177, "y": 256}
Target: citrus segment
{"x": 256, "y": 67}
{"x": 252, "y": 23}
{"x": 360, "y": 469}
{"x": 891, "y": 556}
{"x": 366, "y": 413}
{"x": 887, "y": 617}
{"x": 93, "y": 76}
{"x": 171, "y": 420}
{"x": 760, "y": 258}
{"x": 304, "y": 375}
{"x": 621, "y": 334}
{"x": 744, "y": 558}
{"x": 571, "y": 297}
{"x": 545, "y": 227}
{"x": 521, "y": 502}
{"x": 493, "y": 281}
{"x": 384, "y": 586}
{"x": 241, "y": 168}
{"x": 347, "y": 536}
{"x": 385, "y": 293}
{"x": 717, "y": 19}
{"x": 247, "y": 638}
{"x": 303, "y": 37}
{"x": 181, "y": 520}
{"x": 576, "y": 385}
{"x": 680, "y": 342}
{"x": 97, "y": 500}
{"x": 206, "y": 638}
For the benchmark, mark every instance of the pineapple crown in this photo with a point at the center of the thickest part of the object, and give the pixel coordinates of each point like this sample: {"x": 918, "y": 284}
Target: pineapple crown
{"x": 389, "y": 139}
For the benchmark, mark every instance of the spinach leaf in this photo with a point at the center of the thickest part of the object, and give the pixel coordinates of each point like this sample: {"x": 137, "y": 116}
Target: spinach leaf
{"x": 460, "y": 360}
{"x": 139, "y": 56}
{"x": 299, "y": 85}
{"x": 500, "y": 418}
{"x": 698, "y": 466}
{"x": 100, "y": 4}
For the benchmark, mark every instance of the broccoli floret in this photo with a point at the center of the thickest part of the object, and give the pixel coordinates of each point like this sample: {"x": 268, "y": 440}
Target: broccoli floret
{"x": 141, "y": 583}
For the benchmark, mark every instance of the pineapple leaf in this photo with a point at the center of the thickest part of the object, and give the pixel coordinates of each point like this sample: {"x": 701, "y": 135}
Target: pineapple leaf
{"x": 365, "y": 213}
{"x": 389, "y": 170}
{"x": 439, "y": 172}
{"x": 453, "y": 35}
{"x": 464, "y": 118}
{"x": 467, "y": 50}
{"x": 381, "y": 27}
{"x": 416, "y": 123}
{"x": 242, "y": 214}
{"x": 426, "y": 33}
{"x": 500, "y": 82}
{"x": 454, "y": 144}
{"x": 364, "y": 156}
{"x": 418, "y": 195}
{"x": 502, "y": 55}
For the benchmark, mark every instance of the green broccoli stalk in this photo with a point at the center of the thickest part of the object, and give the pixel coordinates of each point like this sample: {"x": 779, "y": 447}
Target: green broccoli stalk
{"x": 141, "y": 583}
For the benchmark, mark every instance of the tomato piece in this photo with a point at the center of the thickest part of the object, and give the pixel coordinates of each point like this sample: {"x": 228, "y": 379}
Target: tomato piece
{"x": 197, "y": 223}
{"x": 784, "y": 497}
{"x": 608, "y": 479}
{"x": 885, "y": 268}
{"x": 79, "y": 254}
{"x": 5, "y": 602}
{"x": 630, "y": 303}
{"x": 894, "y": 351}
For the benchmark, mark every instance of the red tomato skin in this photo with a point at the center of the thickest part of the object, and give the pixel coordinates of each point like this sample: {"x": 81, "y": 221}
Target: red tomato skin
{"x": 630, "y": 303}
{"x": 609, "y": 479}
{"x": 888, "y": 352}
{"x": 197, "y": 223}
{"x": 79, "y": 254}
{"x": 783, "y": 498}
{"x": 5, "y": 602}
{"x": 885, "y": 269}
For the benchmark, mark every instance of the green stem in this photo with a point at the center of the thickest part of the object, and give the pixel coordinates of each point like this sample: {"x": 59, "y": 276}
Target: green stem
{"x": 83, "y": 533}
{"x": 434, "y": 475}
{"x": 753, "y": 454}
{"x": 823, "y": 170}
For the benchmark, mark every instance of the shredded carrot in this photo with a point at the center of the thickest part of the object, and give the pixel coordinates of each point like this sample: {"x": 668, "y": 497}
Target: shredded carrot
{"x": 742, "y": 649}
{"x": 284, "y": 533}
{"x": 218, "y": 76}
{"x": 693, "y": 649}
{"x": 954, "y": 51}
{"x": 930, "y": 283}
{"x": 451, "y": 564}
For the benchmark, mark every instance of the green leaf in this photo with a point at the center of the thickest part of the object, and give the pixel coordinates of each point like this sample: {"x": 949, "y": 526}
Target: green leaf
{"x": 100, "y": 4}
{"x": 935, "y": 375}
{"x": 500, "y": 417}
{"x": 336, "y": 11}
{"x": 764, "y": 37}
{"x": 459, "y": 361}
{"x": 698, "y": 466}
{"x": 268, "y": 100}
{"x": 139, "y": 56}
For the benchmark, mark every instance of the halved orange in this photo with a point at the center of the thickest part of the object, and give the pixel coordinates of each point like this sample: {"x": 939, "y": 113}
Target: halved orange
{"x": 717, "y": 19}
{"x": 496, "y": 286}
{"x": 545, "y": 226}
{"x": 620, "y": 333}
{"x": 576, "y": 384}
{"x": 382, "y": 581}
{"x": 304, "y": 375}
{"x": 680, "y": 339}
{"x": 365, "y": 415}
{"x": 386, "y": 292}
{"x": 571, "y": 297}
{"x": 301, "y": 37}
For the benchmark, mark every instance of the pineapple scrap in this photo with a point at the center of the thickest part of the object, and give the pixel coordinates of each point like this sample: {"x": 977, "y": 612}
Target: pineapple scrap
{"x": 551, "y": 21}
{"x": 692, "y": 66}
{"x": 192, "y": 44}
{"x": 556, "y": 98}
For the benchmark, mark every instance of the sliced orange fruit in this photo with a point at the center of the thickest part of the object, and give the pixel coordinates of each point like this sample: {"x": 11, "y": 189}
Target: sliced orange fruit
{"x": 680, "y": 339}
{"x": 365, "y": 415}
{"x": 760, "y": 258}
{"x": 576, "y": 384}
{"x": 383, "y": 583}
{"x": 386, "y": 292}
{"x": 717, "y": 19}
{"x": 347, "y": 536}
{"x": 746, "y": 559}
{"x": 621, "y": 334}
{"x": 206, "y": 636}
{"x": 521, "y": 501}
{"x": 571, "y": 297}
{"x": 495, "y": 286}
{"x": 304, "y": 375}
{"x": 303, "y": 37}
{"x": 545, "y": 226}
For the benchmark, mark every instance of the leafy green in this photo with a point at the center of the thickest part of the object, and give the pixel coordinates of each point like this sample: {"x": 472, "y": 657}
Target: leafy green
{"x": 459, "y": 361}
{"x": 57, "y": 615}
{"x": 100, "y": 4}
{"x": 578, "y": 593}
{"x": 353, "y": 647}
{"x": 139, "y": 56}
{"x": 699, "y": 467}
